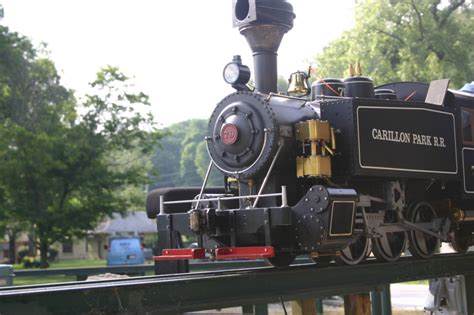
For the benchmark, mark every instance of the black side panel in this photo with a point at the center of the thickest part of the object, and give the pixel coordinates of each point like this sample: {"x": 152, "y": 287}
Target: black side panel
{"x": 468, "y": 163}
{"x": 415, "y": 91}
{"x": 394, "y": 139}
{"x": 341, "y": 116}
{"x": 407, "y": 139}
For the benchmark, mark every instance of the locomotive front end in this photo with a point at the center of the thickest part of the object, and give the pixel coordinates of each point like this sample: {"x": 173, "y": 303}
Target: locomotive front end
{"x": 274, "y": 152}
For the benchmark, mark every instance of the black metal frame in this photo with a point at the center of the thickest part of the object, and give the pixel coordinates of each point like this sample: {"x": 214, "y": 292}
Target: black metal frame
{"x": 201, "y": 291}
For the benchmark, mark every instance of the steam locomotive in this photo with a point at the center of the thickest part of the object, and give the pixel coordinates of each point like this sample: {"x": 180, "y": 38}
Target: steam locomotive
{"x": 336, "y": 174}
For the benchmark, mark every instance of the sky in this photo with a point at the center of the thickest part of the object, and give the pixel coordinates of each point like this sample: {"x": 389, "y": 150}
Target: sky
{"x": 174, "y": 50}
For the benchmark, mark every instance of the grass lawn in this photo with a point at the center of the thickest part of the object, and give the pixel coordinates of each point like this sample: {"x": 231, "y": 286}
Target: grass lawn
{"x": 76, "y": 263}
{"x": 73, "y": 263}
{"x": 42, "y": 279}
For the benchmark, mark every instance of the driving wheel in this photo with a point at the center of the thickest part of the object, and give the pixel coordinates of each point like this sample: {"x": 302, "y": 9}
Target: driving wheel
{"x": 355, "y": 252}
{"x": 460, "y": 240}
{"x": 390, "y": 246}
{"x": 422, "y": 245}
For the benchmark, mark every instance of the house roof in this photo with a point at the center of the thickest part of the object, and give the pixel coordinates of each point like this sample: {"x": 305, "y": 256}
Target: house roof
{"x": 133, "y": 222}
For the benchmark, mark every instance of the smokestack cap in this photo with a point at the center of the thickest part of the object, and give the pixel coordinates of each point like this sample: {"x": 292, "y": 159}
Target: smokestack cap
{"x": 263, "y": 22}
{"x": 259, "y": 12}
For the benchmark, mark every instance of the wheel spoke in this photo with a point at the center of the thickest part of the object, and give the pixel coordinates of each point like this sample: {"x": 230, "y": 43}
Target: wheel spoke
{"x": 417, "y": 217}
{"x": 355, "y": 252}
{"x": 384, "y": 241}
{"x": 422, "y": 245}
{"x": 348, "y": 253}
{"x": 420, "y": 239}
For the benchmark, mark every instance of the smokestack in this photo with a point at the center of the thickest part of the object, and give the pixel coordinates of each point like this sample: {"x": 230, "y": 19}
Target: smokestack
{"x": 263, "y": 23}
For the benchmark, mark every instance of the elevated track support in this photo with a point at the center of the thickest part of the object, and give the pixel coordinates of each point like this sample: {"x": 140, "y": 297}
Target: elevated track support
{"x": 209, "y": 290}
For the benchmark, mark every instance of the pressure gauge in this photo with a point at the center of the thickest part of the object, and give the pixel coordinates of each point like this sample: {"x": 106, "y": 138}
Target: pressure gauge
{"x": 235, "y": 73}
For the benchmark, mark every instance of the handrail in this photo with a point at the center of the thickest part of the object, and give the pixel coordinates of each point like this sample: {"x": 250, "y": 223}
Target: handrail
{"x": 282, "y": 194}
{"x": 222, "y": 198}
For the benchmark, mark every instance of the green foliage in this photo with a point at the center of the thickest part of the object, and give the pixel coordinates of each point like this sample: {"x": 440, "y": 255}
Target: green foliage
{"x": 182, "y": 157}
{"x": 406, "y": 40}
{"x": 282, "y": 84}
{"x": 64, "y": 167}
{"x": 31, "y": 262}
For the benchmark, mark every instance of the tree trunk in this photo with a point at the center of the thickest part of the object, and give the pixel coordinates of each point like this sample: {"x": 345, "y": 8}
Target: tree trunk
{"x": 44, "y": 253}
{"x": 31, "y": 246}
{"x": 11, "y": 247}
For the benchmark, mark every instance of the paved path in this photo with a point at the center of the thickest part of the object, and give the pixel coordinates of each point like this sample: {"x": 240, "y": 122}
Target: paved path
{"x": 404, "y": 296}
{"x": 409, "y": 295}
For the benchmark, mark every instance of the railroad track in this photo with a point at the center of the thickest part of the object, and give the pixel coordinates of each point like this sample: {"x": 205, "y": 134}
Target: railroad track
{"x": 217, "y": 289}
{"x": 117, "y": 282}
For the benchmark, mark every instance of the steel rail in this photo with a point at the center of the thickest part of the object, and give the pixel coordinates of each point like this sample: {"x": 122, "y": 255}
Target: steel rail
{"x": 84, "y": 271}
{"x": 208, "y": 290}
{"x": 137, "y": 269}
{"x": 116, "y": 282}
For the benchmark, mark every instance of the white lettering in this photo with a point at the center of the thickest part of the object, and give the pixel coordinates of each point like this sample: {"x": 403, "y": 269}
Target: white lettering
{"x": 374, "y": 134}
{"x": 406, "y": 137}
{"x": 441, "y": 142}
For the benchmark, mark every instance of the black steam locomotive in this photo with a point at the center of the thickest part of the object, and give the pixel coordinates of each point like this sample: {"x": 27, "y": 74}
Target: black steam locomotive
{"x": 347, "y": 170}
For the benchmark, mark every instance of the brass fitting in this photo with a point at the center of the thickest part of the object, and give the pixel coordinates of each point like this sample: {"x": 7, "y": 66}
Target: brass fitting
{"x": 457, "y": 215}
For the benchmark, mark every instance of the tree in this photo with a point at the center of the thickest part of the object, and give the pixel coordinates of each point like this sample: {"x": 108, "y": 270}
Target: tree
{"x": 22, "y": 82}
{"x": 406, "y": 40}
{"x": 182, "y": 157}
{"x": 56, "y": 169}
{"x": 16, "y": 60}
{"x": 282, "y": 84}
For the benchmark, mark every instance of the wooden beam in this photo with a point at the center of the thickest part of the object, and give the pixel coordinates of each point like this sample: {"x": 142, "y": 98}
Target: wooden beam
{"x": 357, "y": 304}
{"x": 304, "y": 307}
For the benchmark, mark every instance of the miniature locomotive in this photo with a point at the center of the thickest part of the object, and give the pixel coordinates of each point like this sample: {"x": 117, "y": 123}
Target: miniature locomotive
{"x": 348, "y": 170}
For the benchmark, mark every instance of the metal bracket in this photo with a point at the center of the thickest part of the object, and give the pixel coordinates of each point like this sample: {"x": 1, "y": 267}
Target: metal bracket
{"x": 418, "y": 227}
{"x": 267, "y": 227}
{"x": 233, "y": 233}
{"x": 395, "y": 196}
